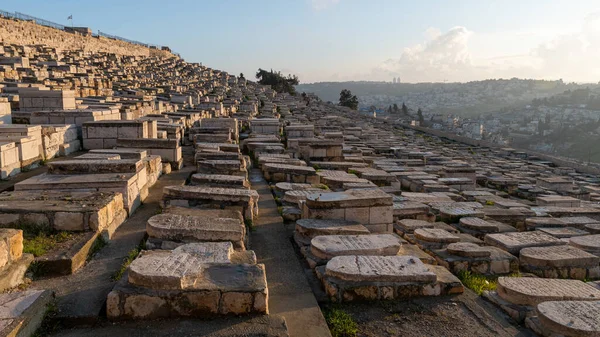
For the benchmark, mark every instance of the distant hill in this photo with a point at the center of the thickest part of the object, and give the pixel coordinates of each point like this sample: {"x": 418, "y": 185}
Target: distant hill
{"x": 462, "y": 98}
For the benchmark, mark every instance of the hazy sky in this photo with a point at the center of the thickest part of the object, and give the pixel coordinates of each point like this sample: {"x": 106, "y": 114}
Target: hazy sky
{"x": 335, "y": 40}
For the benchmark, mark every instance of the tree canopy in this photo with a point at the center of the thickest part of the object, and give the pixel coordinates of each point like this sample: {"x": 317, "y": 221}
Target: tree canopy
{"x": 348, "y": 100}
{"x": 277, "y": 81}
{"x": 404, "y": 109}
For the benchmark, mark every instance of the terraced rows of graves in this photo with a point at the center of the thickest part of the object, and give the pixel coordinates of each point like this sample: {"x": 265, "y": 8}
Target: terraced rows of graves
{"x": 380, "y": 213}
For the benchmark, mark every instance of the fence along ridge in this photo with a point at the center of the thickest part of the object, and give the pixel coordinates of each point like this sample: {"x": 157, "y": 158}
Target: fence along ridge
{"x": 46, "y": 23}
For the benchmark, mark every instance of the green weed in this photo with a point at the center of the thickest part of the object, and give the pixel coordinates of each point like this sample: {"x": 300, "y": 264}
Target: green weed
{"x": 478, "y": 283}
{"x": 340, "y": 323}
{"x": 127, "y": 261}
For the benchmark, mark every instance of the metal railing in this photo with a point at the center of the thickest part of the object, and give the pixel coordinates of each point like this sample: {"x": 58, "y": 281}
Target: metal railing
{"x": 42, "y": 22}
{"x": 114, "y": 37}
{"x": 25, "y": 17}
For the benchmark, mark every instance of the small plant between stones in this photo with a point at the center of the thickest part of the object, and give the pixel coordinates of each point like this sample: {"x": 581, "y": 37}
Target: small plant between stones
{"x": 340, "y": 323}
{"x": 49, "y": 323}
{"x": 127, "y": 261}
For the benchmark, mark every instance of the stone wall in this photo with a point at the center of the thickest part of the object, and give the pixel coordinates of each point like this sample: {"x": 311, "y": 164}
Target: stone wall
{"x": 28, "y": 33}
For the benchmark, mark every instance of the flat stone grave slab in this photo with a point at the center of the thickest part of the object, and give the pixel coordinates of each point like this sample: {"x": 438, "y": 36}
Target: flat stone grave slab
{"x": 206, "y": 213}
{"x": 123, "y": 183}
{"x": 539, "y": 222}
{"x": 425, "y": 198}
{"x": 569, "y": 318}
{"x": 189, "y": 267}
{"x": 195, "y": 279}
{"x": 124, "y": 153}
{"x": 515, "y": 241}
{"x": 95, "y": 166}
{"x": 294, "y": 197}
{"x": 64, "y": 210}
{"x": 467, "y": 249}
{"x": 467, "y": 256}
{"x": 329, "y": 246}
{"x": 578, "y": 221}
{"x": 307, "y": 229}
{"x": 589, "y": 243}
{"x": 531, "y": 291}
{"x": 219, "y": 180}
{"x": 434, "y": 238}
{"x": 97, "y": 156}
{"x": 478, "y": 225}
{"x": 186, "y": 228}
{"x": 348, "y": 199}
{"x": 408, "y": 226}
{"x": 560, "y": 262}
{"x": 453, "y": 214}
{"x": 215, "y": 197}
{"x": 349, "y": 278}
{"x": 592, "y": 228}
{"x": 380, "y": 269}
{"x": 563, "y": 232}
{"x": 412, "y": 210}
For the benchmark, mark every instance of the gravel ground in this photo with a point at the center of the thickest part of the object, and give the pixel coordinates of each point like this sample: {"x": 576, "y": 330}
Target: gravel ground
{"x": 465, "y": 315}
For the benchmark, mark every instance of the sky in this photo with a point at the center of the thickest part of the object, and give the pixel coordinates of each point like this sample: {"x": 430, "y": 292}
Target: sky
{"x": 352, "y": 40}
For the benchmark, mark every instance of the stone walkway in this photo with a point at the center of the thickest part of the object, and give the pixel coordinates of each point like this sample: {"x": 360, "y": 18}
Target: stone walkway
{"x": 289, "y": 292}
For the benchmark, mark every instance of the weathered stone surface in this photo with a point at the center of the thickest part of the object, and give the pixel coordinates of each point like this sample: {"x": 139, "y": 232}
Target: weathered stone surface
{"x": 478, "y": 224}
{"x": 219, "y": 180}
{"x": 196, "y": 266}
{"x": 350, "y": 198}
{"x": 532, "y": 291}
{"x": 589, "y": 243}
{"x": 196, "y": 228}
{"x": 435, "y": 235}
{"x": 326, "y": 247}
{"x": 570, "y": 318}
{"x": 514, "y": 242}
{"x": 379, "y": 268}
{"x": 467, "y": 249}
{"x": 563, "y": 232}
{"x": 306, "y": 229}
{"x": 22, "y": 312}
{"x": 409, "y": 225}
{"x": 558, "y": 257}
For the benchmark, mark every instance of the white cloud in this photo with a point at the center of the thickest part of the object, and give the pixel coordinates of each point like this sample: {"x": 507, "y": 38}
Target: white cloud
{"x": 451, "y": 56}
{"x": 319, "y": 5}
{"x": 442, "y": 56}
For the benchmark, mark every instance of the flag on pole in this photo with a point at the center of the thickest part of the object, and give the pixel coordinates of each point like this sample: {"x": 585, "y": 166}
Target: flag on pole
{"x": 70, "y": 17}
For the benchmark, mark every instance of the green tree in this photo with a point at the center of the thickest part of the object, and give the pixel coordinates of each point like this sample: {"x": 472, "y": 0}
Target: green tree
{"x": 277, "y": 81}
{"x": 395, "y": 108}
{"x": 372, "y": 108}
{"x": 242, "y": 75}
{"x": 348, "y": 100}
{"x": 404, "y": 109}
{"x": 420, "y": 116}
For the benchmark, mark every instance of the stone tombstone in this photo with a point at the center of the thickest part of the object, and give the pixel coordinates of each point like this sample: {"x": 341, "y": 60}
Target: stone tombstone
{"x": 570, "y": 318}
{"x": 589, "y": 243}
{"x": 326, "y": 247}
{"x": 380, "y": 268}
{"x": 515, "y": 241}
{"x": 557, "y": 257}
{"x": 467, "y": 249}
{"x": 531, "y": 291}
